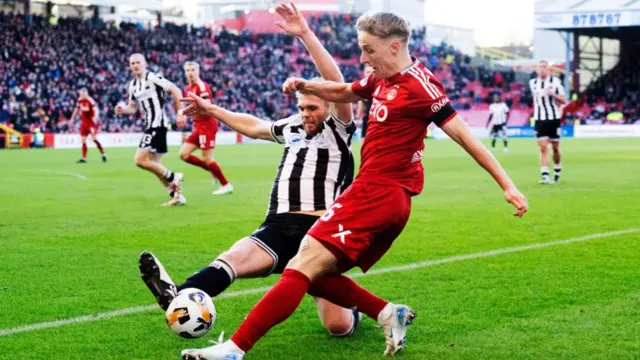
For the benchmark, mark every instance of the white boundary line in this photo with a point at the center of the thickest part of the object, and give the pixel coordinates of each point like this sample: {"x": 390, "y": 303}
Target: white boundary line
{"x": 137, "y": 309}
{"x": 69, "y": 173}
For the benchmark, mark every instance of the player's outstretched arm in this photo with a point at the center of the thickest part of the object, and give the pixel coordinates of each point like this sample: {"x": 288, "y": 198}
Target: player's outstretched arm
{"x": 458, "y": 130}
{"x": 245, "y": 124}
{"x": 327, "y": 90}
{"x": 295, "y": 24}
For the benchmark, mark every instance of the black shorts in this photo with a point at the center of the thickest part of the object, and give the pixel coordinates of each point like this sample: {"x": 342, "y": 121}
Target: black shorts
{"x": 497, "y": 129}
{"x": 154, "y": 139}
{"x": 548, "y": 129}
{"x": 280, "y": 235}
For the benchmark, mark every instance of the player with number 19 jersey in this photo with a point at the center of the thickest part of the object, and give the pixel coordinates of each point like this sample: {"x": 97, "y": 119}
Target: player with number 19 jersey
{"x": 205, "y": 127}
{"x": 369, "y": 216}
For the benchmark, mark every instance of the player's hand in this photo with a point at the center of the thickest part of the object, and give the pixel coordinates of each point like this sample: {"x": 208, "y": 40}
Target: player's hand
{"x": 294, "y": 23}
{"x": 197, "y": 105}
{"x": 293, "y": 84}
{"x": 181, "y": 119}
{"x": 119, "y": 110}
{"x": 515, "y": 197}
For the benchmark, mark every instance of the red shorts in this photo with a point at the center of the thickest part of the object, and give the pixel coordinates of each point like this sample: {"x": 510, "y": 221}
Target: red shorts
{"x": 363, "y": 223}
{"x": 205, "y": 139}
{"x": 86, "y": 129}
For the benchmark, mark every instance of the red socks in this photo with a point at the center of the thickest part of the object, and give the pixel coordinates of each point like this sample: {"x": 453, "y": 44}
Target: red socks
{"x": 194, "y": 160}
{"x": 275, "y": 307}
{"x": 215, "y": 170}
{"x": 99, "y": 146}
{"x": 344, "y": 292}
{"x": 84, "y": 151}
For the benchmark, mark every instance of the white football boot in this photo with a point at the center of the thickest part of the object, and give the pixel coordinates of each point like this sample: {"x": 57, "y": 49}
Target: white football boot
{"x": 225, "y": 189}
{"x": 176, "y": 184}
{"x": 222, "y": 351}
{"x": 395, "y": 319}
{"x": 177, "y": 200}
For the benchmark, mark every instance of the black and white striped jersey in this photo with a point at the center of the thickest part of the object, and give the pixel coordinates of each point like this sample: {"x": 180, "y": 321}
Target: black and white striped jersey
{"x": 314, "y": 170}
{"x": 545, "y": 107}
{"x": 499, "y": 113}
{"x": 148, "y": 93}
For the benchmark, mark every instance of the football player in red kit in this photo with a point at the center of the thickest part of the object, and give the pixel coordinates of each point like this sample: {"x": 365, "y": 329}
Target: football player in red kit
{"x": 365, "y": 220}
{"x": 88, "y": 109}
{"x": 204, "y": 132}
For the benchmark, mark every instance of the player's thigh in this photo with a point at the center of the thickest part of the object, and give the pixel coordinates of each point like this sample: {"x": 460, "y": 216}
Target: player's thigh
{"x": 543, "y": 144}
{"x": 336, "y": 319}
{"x": 186, "y": 150}
{"x": 555, "y": 145}
{"x": 143, "y": 156}
{"x": 248, "y": 259}
{"x": 314, "y": 259}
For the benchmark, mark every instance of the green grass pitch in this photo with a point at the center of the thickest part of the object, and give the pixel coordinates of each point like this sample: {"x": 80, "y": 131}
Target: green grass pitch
{"x": 69, "y": 247}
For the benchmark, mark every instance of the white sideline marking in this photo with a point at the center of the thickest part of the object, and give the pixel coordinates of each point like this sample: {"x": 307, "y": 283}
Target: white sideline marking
{"x": 137, "y": 309}
{"x": 79, "y": 176}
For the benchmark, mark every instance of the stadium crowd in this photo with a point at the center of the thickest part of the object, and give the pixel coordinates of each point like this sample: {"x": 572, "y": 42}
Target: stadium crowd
{"x": 43, "y": 66}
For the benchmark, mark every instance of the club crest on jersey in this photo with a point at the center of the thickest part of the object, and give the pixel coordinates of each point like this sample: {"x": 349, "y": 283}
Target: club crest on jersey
{"x": 438, "y": 105}
{"x": 392, "y": 94}
{"x": 294, "y": 140}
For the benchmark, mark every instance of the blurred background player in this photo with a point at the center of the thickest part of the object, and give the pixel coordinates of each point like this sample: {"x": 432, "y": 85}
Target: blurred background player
{"x": 364, "y": 106}
{"x": 204, "y": 132}
{"x": 316, "y": 167}
{"x": 147, "y": 91}
{"x": 548, "y": 94}
{"x": 88, "y": 110}
{"x": 498, "y": 118}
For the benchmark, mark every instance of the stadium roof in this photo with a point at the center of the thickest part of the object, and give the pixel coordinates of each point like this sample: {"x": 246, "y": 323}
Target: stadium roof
{"x": 602, "y": 18}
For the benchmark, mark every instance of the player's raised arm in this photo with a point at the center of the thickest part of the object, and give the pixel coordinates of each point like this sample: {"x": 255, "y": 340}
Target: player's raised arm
{"x": 295, "y": 24}
{"x": 327, "y": 90}
{"x": 458, "y": 130}
{"x": 245, "y": 124}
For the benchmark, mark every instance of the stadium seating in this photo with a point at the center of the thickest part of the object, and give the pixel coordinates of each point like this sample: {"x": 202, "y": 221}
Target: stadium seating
{"x": 43, "y": 67}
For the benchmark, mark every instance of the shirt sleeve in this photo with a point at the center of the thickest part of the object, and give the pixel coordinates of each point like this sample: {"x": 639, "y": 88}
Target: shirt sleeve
{"x": 506, "y": 107}
{"x": 132, "y": 97}
{"x": 559, "y": 88}
{"x": 277, "y": 129}
{"x": 159, "y": 81}
{"x": 364, "y": 87}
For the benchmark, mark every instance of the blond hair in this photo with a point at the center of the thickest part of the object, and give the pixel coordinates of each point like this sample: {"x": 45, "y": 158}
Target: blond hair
{"x": 384, "y": 25}
{"x": 192, "y": 63}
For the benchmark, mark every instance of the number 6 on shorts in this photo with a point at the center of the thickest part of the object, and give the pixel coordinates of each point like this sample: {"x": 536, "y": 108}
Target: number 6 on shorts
{"x": 329, "y": 214}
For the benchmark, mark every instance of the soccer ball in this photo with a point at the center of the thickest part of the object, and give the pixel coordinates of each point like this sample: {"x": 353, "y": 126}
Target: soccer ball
{"x": 191, "y": 313}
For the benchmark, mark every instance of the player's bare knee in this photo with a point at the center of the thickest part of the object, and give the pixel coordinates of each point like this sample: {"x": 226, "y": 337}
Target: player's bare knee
{"x": 340, "y": 327}
{"x": 184, "y": 155}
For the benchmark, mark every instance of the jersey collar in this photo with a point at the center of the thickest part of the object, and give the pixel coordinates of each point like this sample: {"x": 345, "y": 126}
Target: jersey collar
{"x": 398, "y": 76}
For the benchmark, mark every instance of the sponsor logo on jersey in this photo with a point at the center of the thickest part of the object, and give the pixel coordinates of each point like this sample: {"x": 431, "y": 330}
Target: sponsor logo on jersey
{"x": 438, "y": 105}
{"x": 294, "y": 139}
{"x": 392, "y": 94}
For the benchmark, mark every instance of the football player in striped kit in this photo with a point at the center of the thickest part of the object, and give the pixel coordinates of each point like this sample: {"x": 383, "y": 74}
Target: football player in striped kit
{"x": 316, "y": 167}
{"x": 548, "y": 95}
{"x": 146, "y": 92}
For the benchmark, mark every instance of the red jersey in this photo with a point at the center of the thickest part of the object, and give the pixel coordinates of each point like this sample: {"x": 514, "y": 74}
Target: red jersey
{"x": 87, "y": 109}
{"x": 203, "y": 90}
{"x": 402, "y": 108}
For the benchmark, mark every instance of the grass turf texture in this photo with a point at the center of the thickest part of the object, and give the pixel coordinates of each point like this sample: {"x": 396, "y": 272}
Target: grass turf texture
{"x": 70, "y": 248}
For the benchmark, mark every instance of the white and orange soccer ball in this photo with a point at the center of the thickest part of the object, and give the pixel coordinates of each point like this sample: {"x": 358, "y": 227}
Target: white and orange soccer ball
{"x": 191, "y": 314}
